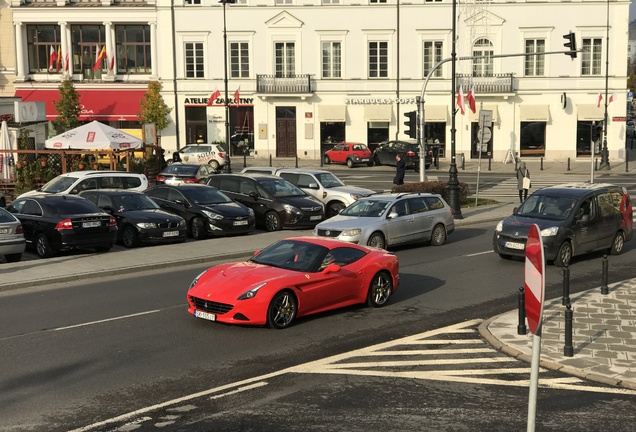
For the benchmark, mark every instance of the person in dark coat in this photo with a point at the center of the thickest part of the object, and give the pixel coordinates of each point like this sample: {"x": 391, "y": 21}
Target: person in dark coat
{"x": 522, "y": 172}
{"x": 400, "y": 170}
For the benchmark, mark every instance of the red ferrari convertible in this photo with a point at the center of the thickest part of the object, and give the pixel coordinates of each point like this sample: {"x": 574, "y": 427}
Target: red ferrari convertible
{"x": 292, "y": 278}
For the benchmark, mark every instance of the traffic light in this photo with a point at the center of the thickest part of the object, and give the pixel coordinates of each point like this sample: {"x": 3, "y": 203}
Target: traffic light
{"x": 411, "y": 124}
{"x": 571, "y": 44}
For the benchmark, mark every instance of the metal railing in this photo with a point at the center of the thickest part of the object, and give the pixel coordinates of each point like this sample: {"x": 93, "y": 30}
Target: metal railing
{"x": 495, "y": 83}
{"x": 290, "y": 84}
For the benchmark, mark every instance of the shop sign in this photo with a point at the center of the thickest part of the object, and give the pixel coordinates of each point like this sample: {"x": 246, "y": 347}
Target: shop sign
{"x": 218, "y": 101}
{"x": 380, "y": 101}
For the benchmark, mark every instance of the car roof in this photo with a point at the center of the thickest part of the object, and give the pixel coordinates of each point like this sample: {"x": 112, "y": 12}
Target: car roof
{"x": 398, "y": 195}
{"x": 54, "y": 197}
{"x": 88, "y": 173}
{"x": 181, "y": 186}
{"x": 576, "y": 189}
{"x": 252, "y": 175}
{"x": 304, "y": 171}
{"x": 111, "y": 192}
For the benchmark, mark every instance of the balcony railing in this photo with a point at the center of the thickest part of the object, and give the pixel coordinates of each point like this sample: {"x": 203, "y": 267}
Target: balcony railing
{"x": 495, "y": 83}
{"x": 290, "y": 84}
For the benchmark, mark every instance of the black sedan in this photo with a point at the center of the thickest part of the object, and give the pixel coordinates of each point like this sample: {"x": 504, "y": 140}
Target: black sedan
{"x": 140, "y": 220}
{"x": 385, "y": 154}
{"x": 54, "y": 223}
{"x": 207, "y": 211}
{"x": 180, "y": 173}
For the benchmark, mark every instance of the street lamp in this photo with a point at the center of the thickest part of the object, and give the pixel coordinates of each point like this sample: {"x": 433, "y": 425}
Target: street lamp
{"x": 228, "y": 166}
{"x": 604, "y": 152}
{"x": 453, "y": 181}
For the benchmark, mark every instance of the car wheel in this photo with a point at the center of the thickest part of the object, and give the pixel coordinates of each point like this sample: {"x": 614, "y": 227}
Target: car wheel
{"x": 327, "y": 160}
{"x": 380, "y": 290}
{"x": 13, "y": 257}
{"x": 350, "y": 163}
{"x": 215, "y": 165}
{"x": 198, "y": 229}
{"x": 272, "y": 221}
{"x": 334, "y": 209}
{"x": 618, "y": 244}
{"x": 282, "y": 310}
{"x": 370, "y": 163}
{"x": 377, "y": 240}
{"x": 130, "y": 237}
{"x": 376, "y": 161}
{"x": 564, "y": 256}
{"x": 438, "y": 236}
{"x": 43, "y": 247}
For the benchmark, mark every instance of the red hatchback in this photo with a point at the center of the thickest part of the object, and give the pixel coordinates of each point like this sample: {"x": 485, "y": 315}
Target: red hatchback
{"x": 349, "y": 153}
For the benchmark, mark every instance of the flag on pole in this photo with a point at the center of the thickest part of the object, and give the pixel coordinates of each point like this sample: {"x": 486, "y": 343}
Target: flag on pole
{"x": 101, "y": 54}
{"x": 66, "y": 62}
{"x": 237, "y": 95}
{"x": 460, "y": 99}
{"x": 599, "y": 98}
{"x": 612, "y": 98}
{"x": 52, "y": 58}
{"x": 58, "y": 59}
{"x": 215, "y": 94}
{"x": 111, "y": 63}
{"x": 471, "y": 100}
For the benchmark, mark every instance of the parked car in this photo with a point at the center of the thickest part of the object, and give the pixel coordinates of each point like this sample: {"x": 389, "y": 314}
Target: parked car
{"x": 292, "y": 278}
{"x": 12, "y": 242}
{"x": 207, "y": 211}
{"x": 385, "y": 154}
{"x": 390, "y": 219}
{"x": 349, "y": 153}
{"x": 140, "y": 220}
{"x": 77, "y": 181}
{"x": 202, "y": 154}
{"x": 53, "y": 223}
{"x": 324, "y": 186}
{"x": 180, "y": 173}
{"x": 574, "y": 219}
{"x": 3, "y": 200}
{"x": 277, "y": 203}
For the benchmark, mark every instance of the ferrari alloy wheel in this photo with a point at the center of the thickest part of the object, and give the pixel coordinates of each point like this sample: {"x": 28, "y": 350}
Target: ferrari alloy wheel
{"x": 618, "y": 244}
{"x": 564, "y": 256}
{"x": 438, "y": 237}
{"x": 272, "y": 221}
{"x": 130, "y": 237}
{"x": 377, "y": 240}
{"x": 380, "y": 290}
{"x": 282, "y": 310}
{"x": 43, "y": 247}
{"x": 198, "y": 229}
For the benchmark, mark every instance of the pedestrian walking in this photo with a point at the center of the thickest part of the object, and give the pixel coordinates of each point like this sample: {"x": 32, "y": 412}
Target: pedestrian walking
{"x": 400, "y": 170}
{"x": 523, "y": 181}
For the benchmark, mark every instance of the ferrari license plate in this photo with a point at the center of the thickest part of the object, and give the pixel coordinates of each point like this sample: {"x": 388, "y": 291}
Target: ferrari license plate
{"x": 514, "y": 245}
{"x": 91, "y": 224}
{"x": 171, "y": 234}
{"x": 242, "y": 222}
{"x": 315, "y": 217}
{"x": 204, "y": 315}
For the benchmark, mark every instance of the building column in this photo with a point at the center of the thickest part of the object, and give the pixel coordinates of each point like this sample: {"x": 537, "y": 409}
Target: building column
{"x": 153, "y": 50}
{"x": 65, "y": 52}
{"x": 110, "y": 74}
{"x": 21, "y": 69}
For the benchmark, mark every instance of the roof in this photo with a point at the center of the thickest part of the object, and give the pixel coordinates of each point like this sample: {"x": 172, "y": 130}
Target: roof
{"x": 575, "y": 189}
{"x": 97, "y": 173}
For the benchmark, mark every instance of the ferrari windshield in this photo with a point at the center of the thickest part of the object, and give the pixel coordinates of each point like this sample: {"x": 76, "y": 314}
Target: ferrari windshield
{"x": 366, "y": 208}
{"x": 292, "y": 255}
{"x": 547, "y": 207}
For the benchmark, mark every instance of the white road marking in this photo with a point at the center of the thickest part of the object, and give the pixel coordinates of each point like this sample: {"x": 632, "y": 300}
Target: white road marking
{"x": 240, "y": 389}
{"x": 479, "y": 253}
{"x": 105, "y": 320}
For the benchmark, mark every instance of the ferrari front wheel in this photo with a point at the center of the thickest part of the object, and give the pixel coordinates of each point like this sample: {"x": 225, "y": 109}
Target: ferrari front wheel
{"x": 282, "y": 310}
{"x": 380, "y": 290}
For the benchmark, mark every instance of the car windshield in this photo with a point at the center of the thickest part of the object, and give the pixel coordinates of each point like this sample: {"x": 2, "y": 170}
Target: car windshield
{"x": 175, "y": 169}
{"x": 133, "y": 202}
{"x": 359, "y": 147}
{"x": 59, "y": 184}
{"x": 206, "y": 196}
{"x": 292, "y": 255}
{"x": 366, "y": 208}
{"x": 329, "y": 180}
{"x": 547, "y": 207}
{"x": 280, "y": 187}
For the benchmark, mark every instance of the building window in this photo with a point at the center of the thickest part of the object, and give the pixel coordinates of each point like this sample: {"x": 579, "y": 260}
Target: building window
{"x": 483, "y": 66}
{"x": 330, "y": 1}
{"x": 588, "y": 136}
{"x": 239, "y": 60}
{"x": 432, "y": 56}
{"x": 87, "y": 41}
{"x": 41, "y": 41}
{"x": 378, "y": 59}
{"x": 331, "y": 60}
{"x": 285, "y": 59}
{"x": 284, "y": 1}
{"x": 535, "y": 64}
{"x": 133, "y": 49}
{"x": 194, "y": 60}
{"x": 591, "y": 56}
{"x": 377, "y": 1}
{"x": 532, "y": 139}
{"x": 192, "y": 2}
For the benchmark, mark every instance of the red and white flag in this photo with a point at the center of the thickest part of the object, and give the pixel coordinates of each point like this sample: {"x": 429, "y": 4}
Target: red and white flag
{"x": 66, "y": 62}
{"x": 612, "y": 98}
{"x": 599, "y": 98}
{"x": 58, "y": 59}
{"x": 101, "y": 55}
{"x": 52, "y": 58}
{"x": 213, "y": 97}
{"x": 111, "y": 63}
{"x": 471, "y": 100}
{"x": 237, "y": 95}
{"x": 460, "y": 99}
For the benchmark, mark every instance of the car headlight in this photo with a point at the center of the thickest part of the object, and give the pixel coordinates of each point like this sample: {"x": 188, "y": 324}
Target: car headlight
{"x": 290, "y": 208}
{"x": 182, "y": 223}
{"x": 196, "y": 279}
{"x": 251, "y": 293}
{"x": 351, "y": 232}
{"x": 212, "y": 215}
{"x": 146, "y": 225}
{"x": 499, "y": 226}
{"x": 250, "y": 211}
{"x": 549, "y": 232}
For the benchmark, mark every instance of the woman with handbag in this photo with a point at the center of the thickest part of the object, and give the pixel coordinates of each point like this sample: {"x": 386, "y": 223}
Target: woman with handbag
{"x": 523, "y": 181}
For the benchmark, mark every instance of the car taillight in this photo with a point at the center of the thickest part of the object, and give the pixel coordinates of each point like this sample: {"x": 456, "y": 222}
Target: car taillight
{"x": 410, "y": 153}
{"x": 19, "y": 230}
{"x": 191, "y": 180}
{"x": 160, "y": 178}
{"x": 112, "y": 222}
{"x": 221, "y": 155}
{"x": 64, "y": 225}
{"x": 430, "y": 153}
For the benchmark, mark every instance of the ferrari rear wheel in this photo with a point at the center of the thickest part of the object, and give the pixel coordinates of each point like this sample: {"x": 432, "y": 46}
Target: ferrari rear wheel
{"x": 380, "y": 290}
{"x": 282, "y": 310}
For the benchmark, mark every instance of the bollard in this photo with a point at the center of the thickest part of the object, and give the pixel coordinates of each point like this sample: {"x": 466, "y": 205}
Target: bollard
{"x": 244, "y": 160}
{"x": 568, "y": 349}
{"x": 541, "y": 163}
{"x": 604, "y": 287}
{"x": 489, "y": 164}
{"x": 566, "y": 285}
{"x": 626, "y": 160}
{"x": 463, "y": 162}
{"x": 296, "y": 161}
{"x": 270, "y": 160}
{"x": 321, "y": 161}
{"x": 596, "y": 164}
{"x": 521, "y": 327}
{"x": 568, "y": 164}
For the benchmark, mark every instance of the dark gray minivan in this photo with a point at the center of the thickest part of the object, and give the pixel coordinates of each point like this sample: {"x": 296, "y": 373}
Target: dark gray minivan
{"x": 574, "y": 219}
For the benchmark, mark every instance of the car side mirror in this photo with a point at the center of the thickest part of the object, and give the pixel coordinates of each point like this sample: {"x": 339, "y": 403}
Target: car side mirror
{"x": 182, "y": 202}
{"x": 253, "y": 195}
{"x": 331, "y": 268}
{"x": 312, "y": 185}
{"x": 392, "y": 215}
{"x": 256, "y": 252}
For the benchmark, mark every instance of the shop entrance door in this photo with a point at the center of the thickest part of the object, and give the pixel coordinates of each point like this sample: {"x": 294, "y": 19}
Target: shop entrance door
{"x": 285, "y": 132}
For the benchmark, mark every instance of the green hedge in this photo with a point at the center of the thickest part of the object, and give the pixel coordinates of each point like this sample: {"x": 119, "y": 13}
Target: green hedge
{"x": 438, "y": 187}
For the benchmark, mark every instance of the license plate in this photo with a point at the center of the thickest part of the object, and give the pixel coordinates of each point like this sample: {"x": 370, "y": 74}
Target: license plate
{"x": 514, "y": 245}
{"x": 315, "y": 217}
{"x": 171, "y": 234}
{"x": 204, "y": 315}
{"x": 364, "y": 160}
{"x": 4, "y": 230}
{"x": 91, "y": 224}
{"x": 242, "y": 222}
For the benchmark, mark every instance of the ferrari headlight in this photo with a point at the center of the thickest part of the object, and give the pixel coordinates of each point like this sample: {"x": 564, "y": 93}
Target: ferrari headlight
{"x": 146, "y": 225}
{"x": 212, "y": 215}
{"x": 251, "y": 293}
{"x": 290, "y": 208}
{"x": 196, "y": 279}
{"x": 351, "y": 232}
{"x": 499, "y": 226}
{"x": 549, "y": 232}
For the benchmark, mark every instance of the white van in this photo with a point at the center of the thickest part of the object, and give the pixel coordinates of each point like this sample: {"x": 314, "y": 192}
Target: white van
{"x": 77, "y": 181}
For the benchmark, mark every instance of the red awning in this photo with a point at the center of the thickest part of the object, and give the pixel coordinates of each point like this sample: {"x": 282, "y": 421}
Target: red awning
{"x": 104, "y": 105}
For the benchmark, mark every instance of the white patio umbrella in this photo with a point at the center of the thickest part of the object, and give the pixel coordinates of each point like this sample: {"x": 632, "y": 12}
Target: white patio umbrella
{"x": 5, "y": 144}
{"x": 94, "y": 136}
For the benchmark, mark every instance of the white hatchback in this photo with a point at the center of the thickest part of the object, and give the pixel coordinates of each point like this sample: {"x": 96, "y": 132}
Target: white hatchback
{"x": 211, "y": 154}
